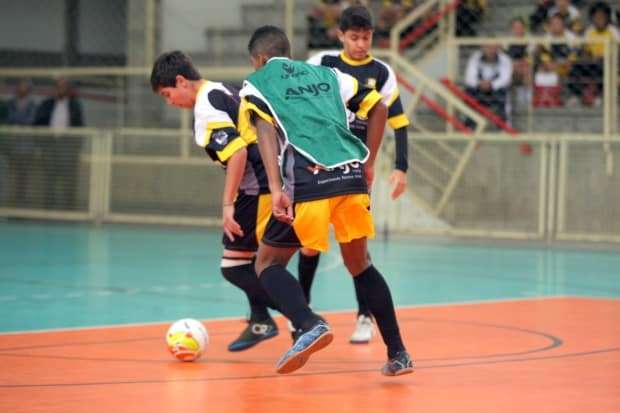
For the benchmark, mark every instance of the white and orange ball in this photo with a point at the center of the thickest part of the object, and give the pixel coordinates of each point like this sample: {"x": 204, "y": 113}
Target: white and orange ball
{"x": 187, "y": 339}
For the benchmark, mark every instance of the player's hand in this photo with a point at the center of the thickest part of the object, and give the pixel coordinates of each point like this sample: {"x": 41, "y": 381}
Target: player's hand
{"x": 369, "y": 171}
{"x": 231, "y": 227}
{"x": 282, "y": 207}
{"x": 398, "y": 182}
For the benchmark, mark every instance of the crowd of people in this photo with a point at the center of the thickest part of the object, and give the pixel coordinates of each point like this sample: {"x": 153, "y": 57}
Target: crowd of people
{"x": 566, "y": 70}
{"x": 58, "y": 156}
{"x": 323, "y": 20}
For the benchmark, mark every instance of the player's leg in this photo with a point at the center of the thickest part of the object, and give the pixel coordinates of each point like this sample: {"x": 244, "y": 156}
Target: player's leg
{"x": 306, "y": 269}
{"x": 238, "y": 268}
{"x": 364, "y": 329}
{"x": 353, "y": 225}
{"x": 278, "y": 245}
{"x": 364, "y": 326}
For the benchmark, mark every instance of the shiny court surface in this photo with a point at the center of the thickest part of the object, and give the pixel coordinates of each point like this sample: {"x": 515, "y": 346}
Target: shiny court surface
{"x": 491, "y": 328}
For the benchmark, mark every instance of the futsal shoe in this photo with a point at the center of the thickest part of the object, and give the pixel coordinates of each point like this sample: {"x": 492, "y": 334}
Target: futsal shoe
{"x": 364, "y": 330}
{"x": 295, "y": 333}
{"x": 398, "y": 365}
{"x": 254, "y": 333}
{"x": 316, "y": 338}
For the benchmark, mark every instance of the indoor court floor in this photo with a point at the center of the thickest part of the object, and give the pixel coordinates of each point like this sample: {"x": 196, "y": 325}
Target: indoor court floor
{"x": 491, "y": 327}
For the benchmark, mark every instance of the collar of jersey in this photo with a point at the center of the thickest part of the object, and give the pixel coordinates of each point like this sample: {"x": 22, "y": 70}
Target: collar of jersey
{"x": 352, "y": 62}
{"x": 277, "y": 58}
{"x": 201, "y": 88}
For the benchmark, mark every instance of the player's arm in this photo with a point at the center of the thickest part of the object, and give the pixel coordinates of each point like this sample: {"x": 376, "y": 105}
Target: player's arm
{"x": 374, "y": 135}
{"x": 218, "y": 135}
{"x": 398, "y": 122}
{"x": 282, "y": 208}
{"x": 261, "y": 117}
{"x": 398, "y": 177}
{"x": 235, "y": 169}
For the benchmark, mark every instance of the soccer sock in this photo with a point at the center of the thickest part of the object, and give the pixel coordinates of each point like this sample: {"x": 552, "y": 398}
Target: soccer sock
{"x": 244, "y": 277}
{"x": 373, "y": 287}
{"x": 362, "y": 304}
{"x": 284, "y": 289}
{"x": 306, "y": 269}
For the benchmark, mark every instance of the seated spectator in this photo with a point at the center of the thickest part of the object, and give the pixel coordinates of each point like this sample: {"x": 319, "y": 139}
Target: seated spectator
{"x": 586, "y": 76}
{"x": 539, "y": 17}
{"x": 468, "y": 15}
{"x": 565, "y": 10}
{"x": 323, "y": 24}
{"x": 547, "y": 86}
{"x": 561, "y": 54}
{"x": 487, "y": 78}
{"x": 21, "y": 112}
{"x": 61, "y": 154}
{"x": 389, "y": 14}
{"x": 521, "y": 65}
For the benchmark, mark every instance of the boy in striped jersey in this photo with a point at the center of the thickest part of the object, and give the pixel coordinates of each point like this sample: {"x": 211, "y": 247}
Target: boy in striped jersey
{"x": 356, "y": 33}
{"x": 246, "y": 202}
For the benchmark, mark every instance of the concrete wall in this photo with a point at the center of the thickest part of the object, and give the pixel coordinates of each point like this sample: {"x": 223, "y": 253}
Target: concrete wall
{"x": 183, "y": 23}
{"x": 32, "y": 25}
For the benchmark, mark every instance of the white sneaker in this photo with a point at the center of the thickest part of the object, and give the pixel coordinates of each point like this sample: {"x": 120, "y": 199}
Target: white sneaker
{"x": 364, "y": 330}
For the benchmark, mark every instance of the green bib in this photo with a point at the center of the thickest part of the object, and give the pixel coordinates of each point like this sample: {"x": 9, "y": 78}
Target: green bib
{"x": 307, "y": 105}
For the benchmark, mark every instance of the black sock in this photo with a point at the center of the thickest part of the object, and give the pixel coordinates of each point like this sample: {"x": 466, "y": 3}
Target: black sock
{"x": 362, "y": 303}
{"x": 284, "y": 289}
{"x": 306, "y": 269}
{"x": 373, "y": 287}
{"x": 244, "y": 277}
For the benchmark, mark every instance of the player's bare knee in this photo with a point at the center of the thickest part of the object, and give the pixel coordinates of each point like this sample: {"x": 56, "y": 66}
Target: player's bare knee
{"x": 356, "y": 265}
{"x": 309, "y": 252}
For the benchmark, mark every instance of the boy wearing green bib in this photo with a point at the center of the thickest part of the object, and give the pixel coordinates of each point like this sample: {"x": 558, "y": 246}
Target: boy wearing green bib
{"x": 318, "y": 173}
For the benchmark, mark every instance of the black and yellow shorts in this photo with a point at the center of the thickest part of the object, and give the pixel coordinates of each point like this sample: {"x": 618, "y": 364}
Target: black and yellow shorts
{"x": 252, "y": 212}
{"x": 349, "y": 214}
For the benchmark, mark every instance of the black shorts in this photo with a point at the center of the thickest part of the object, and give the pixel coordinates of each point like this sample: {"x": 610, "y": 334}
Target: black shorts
{"x": 252, "y": 213}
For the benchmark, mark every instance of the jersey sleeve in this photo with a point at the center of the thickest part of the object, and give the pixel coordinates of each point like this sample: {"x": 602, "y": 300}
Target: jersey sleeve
{"x": 215, "y": 130}
{"x": 391, "y": 98}
{"x": 316, "y": 59}
{"x": 359, "y": 100}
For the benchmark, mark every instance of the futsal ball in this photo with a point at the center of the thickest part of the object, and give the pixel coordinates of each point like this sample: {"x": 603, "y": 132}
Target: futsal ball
{"x": 187, "y": 339}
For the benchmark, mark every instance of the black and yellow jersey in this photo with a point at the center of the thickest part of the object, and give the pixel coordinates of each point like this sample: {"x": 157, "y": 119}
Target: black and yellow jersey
{"x": 372, "y": 73}
{"x": 220, "y": 130}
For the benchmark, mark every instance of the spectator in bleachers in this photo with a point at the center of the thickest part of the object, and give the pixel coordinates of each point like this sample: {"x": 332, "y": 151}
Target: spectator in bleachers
{"x": 60, "y": 153}
{"x": 390, "y": 13}
{"x": 547, "y": 82}
{"x": 561, "y": 53}
{"x": 539, "y": 17}
{"x": 586, "y": 76}
{"x": 468, "y": 15}
{"x": 488, "y": 77}
{"x": 565, "y": 10}
{"x": 521, "y": 64}
{"x": 323, "y": 24}
{"x": 21, "y": 112}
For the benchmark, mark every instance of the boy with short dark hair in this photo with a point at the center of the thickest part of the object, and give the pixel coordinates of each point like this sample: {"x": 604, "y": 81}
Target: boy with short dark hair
{"x": 356, "y": 34}
{"x": 246, "y": 204}
{"x": 314, "y": 167}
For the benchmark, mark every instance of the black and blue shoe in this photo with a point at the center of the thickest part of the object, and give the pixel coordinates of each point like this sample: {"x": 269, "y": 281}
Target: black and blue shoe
{"x": 398, "y": 365}
{"x": 316, "y": 338}
{"x": 254, "y": 333}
